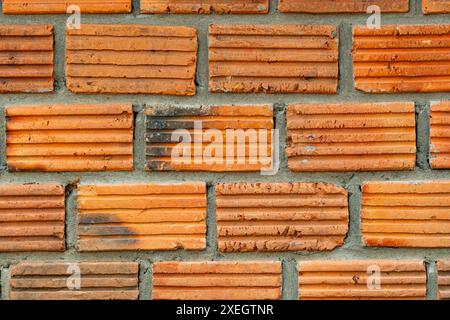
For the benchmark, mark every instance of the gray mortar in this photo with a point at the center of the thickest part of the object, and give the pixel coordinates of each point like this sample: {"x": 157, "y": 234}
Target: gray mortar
{"x": 352, "y": 248}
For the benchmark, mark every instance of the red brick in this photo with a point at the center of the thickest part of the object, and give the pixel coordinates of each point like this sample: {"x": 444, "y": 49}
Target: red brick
{"x": 342, "y": 6}
{"x": 26, "y": 58}
{"x": 204, "y": 6}
{"x": 273, "y": 58}
{"x": 406, "y": 214}
{"x": 351, "y": 137}
{"x": 70, "y": 138}
{"x": 54, "y": 281}
{"x": 58, "y": 6}
{"x": 435, "y": 6}
{"x": 152, "y": 216}
{"x": 332, "y": 280}
{"x": 440, "y": 135}
{"x": 217, "y": 280}
{"x": 443, "y": 280}
{"x": 280, "y": 216}
{"x": 32, "y": 217}
{"x": 132, "y": 59}
{"x": 402, "y": 58}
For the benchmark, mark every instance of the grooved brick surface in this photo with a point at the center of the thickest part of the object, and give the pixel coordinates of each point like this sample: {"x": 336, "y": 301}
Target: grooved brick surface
{"x": 249, "y": 280}
{"x": 31, "y": 217}
{"x": 26, "y": 58}
{"x": 443, "y": 268}
{"x": 440, "y": 135}
{"x": 204, "y": 6}
{"x": 57, "y": 281}
{"x": 342, "y": 6}
{"x": 280, "y": 216}
{"x": 402, "y": 58}
{"x": 406, "y": 214}
{"x": 70, "y": 138}
{"x": 351, "y": 137}
{"x": 365, "y": 279}
{"x": 61, "y": 6}
{"x": 207, "y": 142}
{"x": 142, "y": 217}
{"x": 436, "y": 6}
{"x": 273, "y": 58}
{"x": 132, "y": 59}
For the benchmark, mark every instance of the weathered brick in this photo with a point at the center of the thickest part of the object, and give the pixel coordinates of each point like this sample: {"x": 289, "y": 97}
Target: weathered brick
{"x": 402, "y": 58}
{"x": 70, "y": 138}
{"x": 142, "y": 217}
{"x": 132, "y": 59}
{"x": 273, "y": 58}
{"x": 31, "y": 217}
{"x": 247, "y": 148}
{"x": 342, "y": 6}
{"x": 204, "y": 6}
{"x": 57, "y": 281}
{"x": 217, "y": 280}
{"x": 59, "y": 6}
{"x": 443, "y": 280}
{"x": 26, "y": 58}
{"x": 332, "y": 280}
{"x": 440, "y": 135}
{"x": 436, "y": 6}
{"x": 406, "y": 214}
{"x": 280, "y": 216}
{"x": 351, "y": 137}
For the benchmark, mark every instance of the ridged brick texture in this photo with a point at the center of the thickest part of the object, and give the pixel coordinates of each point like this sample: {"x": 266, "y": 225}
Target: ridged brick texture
{"x": 142, "y": 217}
{"x": 436, "y": 6}
{"x": 440, "y": 135}
{"x": 217, "y": 280}
{"x": 280, "y": 216}
{"x": 342, "y": 6}
{"x": 402, "y": 58}
{"x": 26, "y": 58}
{"x": 351, "y": 137}
{"x": 365, "y": 279}
{"x": 31, "y": 217}
{"x": 132, "y": 59}
{"x": 197, "y": 148}
{"x": 204, "y": 6}
{"x": 273, "y": 58}
{"x": 443, "y": 280}
{"x": 406, "y": 214}
{"x": 61, "y": 6}
{"x": 70, "y": 138}
{"x": 57, "y": 281}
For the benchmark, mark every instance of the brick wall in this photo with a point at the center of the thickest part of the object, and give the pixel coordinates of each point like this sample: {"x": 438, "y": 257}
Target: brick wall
{"x": 87, "y": 184}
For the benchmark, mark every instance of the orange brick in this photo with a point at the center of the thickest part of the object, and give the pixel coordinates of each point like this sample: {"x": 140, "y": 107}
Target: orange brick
{"x": 402, "y": 58}
{"x": 364, "y": 279}
{"x": 26, "y": 58}
{"x": 70, "y": 138}
{"x": 217, "y": 280}
{"x": 443, "y": 280}
{"x": 142, "y": 217}
{"x": 440, "y": 135}
{"x": 273, "y": 58}
{"x": 406, "y": 214}
{"x": 351, "y": 137}
{"x": 435, "y": 6}
{"x": 342, "y": 6}
{"x": 57, "y": 281}
{"x": 204, "y": 6}
{"x": 280, "y": 216}
{"x": 132, "y": 59}
{"x": 249, "y": 148}
{"x": 59, "y": 6}
{"x": 32, "y": 217}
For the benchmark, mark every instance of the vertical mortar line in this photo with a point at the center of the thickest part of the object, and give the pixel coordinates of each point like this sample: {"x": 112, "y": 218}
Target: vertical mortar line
{"x": 5, "y": 283}
{"x": 345, "y": 86}
{"x": 423, "y": 135}
{"x": 280, "y": 124}
{"x": 136, "y": 7}
{"x": 273, "y": 7}
{"x": 59, "y": 48}
{"x": 354, "y": 235}
{"x": 432, "y": 285}
{"x": 3, "y": 164}
{"x": 211, "y": 223}
{"x": 416, "y": 7}
{"x": 71, "y": 222}
{"x": 202, "y": 69}
{"x": 290, "y": 279}
{"x": 139, "y": 140}
{"x": 145, "y": 280}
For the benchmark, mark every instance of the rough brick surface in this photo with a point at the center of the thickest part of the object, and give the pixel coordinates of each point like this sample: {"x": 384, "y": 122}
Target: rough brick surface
{"x": 26, "y": 58}
{"x": 440, "y": 135}
{"x": 443, "y": 280}
{"x": 31, "y": 217}
{"x": 57, "y": 281}
{"x": 217, "y": 280}
{"x": 249, "y": 148}
{"x": 436, "y": 6}
{"x": 132, "y": 59}
{"x": 142, "y": 217}
{"x": 273, "y": 58}
{"x": 402, "y": 58}
{"x": 280, "y": 216}
{"x": 351, "y": 137}
{"x": 70, "y": 138}
{"x": 406, "y": 214}
{"x": 204, "y": 6}
{"x": 61, "y": 6}
{"x": 342, "y": 6}
{"x": 365, "y": 279}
